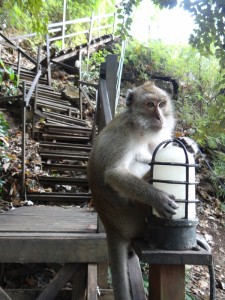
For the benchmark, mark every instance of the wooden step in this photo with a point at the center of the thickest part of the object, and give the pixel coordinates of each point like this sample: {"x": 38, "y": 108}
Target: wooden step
{"x": 51, "y": 100}
{"x": 63, "y": 155}
{"x": 64, "y": 119}
{"x": 58, "y": 137}
{"x": 64, "y": 167}
{"x": 67, "y": 130}
{"x": 52, "y": 180}
{"x": 43, "y": 88}
{"x": 56, "y": 105}
{"x": 64, "y": 146}
{"x": 60, "y": 197}
{"x": 66, "y": 127}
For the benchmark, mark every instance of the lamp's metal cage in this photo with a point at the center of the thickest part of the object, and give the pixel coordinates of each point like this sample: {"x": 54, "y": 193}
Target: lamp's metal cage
{"x": 173, "y": 234}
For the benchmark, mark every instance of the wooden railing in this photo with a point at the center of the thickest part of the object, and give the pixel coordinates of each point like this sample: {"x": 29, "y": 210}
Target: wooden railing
{"x": 58, "y": 31}
{"x": 26, "y": 102}
{"x": 87, "y": 33}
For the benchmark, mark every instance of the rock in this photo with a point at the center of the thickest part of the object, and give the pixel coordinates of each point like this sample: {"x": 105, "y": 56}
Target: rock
{"x": 72, "y": 94}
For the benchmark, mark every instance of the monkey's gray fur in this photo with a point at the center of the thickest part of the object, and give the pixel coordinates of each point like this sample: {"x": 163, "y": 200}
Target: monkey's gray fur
{"x": 117, "y": 172}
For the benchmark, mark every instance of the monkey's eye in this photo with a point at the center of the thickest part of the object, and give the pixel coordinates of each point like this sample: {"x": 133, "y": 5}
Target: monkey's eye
{"x": 150, "y": 104}
{"x": 161, "y": 104}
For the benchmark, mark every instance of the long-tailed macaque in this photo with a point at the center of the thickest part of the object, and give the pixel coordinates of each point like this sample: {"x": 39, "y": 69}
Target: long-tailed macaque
{"x": 118, "y": 165}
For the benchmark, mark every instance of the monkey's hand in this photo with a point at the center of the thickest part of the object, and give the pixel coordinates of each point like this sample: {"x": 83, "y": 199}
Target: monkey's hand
{"x": 165, "y": 205}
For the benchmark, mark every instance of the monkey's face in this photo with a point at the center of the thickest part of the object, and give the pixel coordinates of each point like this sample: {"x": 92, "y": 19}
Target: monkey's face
{"x": 151, "y": 107}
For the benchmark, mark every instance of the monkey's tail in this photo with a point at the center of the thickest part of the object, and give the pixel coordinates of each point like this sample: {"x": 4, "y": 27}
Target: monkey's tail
{"x": 202, "y": 243}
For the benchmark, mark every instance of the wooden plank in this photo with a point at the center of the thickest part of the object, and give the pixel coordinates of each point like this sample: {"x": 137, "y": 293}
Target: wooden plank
{"x": 60, "y": 155}
{"x": 167, "y": 282}
{"x": 45, "y": 89}
{"x": 53, "y": 248}
{"x": 158, "y": 256}
{"x": 55, "y": 104}
{"x": 68, "y": 131}
{"x": 105, "y": 101}
{"x": 50, "y": 234}
{"x": 64, "y": 167}
{"x": 66, "y": 127}
{"x": 51, "y": 180}
{"x": 92, "y": 282}
{"x": 64, "y": 146}
{"x": 4, "y": 295}
{"x": 111, "y": 79}
{"x": 58, "y": 137}
{"x": 81, "y": 154}
{"x": 48, "y": 219}
{"x": 51, "y": 99}
{"x": 63, "y": 276}
{"x": 60, "y": 197}
{"x": 64, "y": 119}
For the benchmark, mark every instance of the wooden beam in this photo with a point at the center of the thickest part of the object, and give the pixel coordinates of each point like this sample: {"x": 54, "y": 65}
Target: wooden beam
{"x": 63, "y": 276}
{"x": 92, "y": 282}
{"x": 3, "y": 295}
{"x": 167, "y": 282}
{"x": 111, "y": 80}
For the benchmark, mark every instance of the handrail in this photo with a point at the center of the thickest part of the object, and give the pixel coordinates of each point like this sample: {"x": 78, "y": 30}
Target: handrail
{"x": 59, "y": 26}
{"x": 26, "y": 100}
{"x": 18, "y": 49}
{"x": 32, "y": 88}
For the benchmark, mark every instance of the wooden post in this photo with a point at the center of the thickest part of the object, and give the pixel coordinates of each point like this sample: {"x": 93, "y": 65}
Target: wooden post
{"x": 23, "y": 141}
{"x": 111, "y": 80}
{"x": 167, "y": 282}
{"x": 18, "y": 64}
{"x": 63, "y": 276}
{"x": 92, "y": 282}
{"x": 36, "y": 91}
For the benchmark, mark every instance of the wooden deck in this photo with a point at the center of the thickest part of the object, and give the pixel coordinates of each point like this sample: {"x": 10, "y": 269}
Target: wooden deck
{"x": 39, "y": 234}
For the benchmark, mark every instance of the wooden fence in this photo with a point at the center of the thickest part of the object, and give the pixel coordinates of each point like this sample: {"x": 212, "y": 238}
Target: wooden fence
{"x": 59, "y": 31}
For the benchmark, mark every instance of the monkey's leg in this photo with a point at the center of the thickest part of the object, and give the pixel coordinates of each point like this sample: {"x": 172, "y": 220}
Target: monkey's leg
{"x": 118, "y": 249}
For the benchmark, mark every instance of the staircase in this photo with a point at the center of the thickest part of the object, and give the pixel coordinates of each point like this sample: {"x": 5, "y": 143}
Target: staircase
{"x": 64, "y": 147}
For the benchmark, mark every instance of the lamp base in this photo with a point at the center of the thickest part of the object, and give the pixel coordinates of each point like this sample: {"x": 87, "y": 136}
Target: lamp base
{"x": 170, "y": 234}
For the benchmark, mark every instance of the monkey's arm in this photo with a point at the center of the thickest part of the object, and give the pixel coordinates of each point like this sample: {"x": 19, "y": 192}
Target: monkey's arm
{"x": 134, "y": 188}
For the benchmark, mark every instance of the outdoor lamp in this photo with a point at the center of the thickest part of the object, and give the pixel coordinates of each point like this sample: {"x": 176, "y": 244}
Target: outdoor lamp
{"x": 173, "y": 171}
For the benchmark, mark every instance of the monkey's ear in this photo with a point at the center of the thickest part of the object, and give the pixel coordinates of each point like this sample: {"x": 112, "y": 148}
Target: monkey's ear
{"x": 129, "y": 97}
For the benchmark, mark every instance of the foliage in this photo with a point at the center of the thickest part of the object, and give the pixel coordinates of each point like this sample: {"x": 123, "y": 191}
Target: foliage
{"x": 209, "y": 16}
{"x": 219, "y": 179}
{"x": 34, "y": 15}
{"x": 26, "y": 14}
{"x": 8, "y": 80}
{"x": 208, "y": 37}
{"x": 4, "y": 126}
{"x": 91, "y": 66}
{"x": 200, "y": 105}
